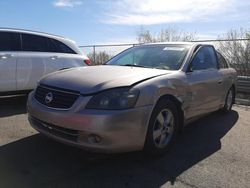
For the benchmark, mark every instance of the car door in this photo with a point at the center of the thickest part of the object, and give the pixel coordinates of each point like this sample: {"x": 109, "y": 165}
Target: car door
{"x": 205, "y": 83}
{"x": 228, "y": 77}
{"x": 35, "y": 60}
{"x": 9, "y": 47}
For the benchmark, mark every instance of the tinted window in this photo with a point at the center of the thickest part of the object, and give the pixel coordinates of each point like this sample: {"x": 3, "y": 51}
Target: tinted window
{"x": 51, "y": 45}
{"x": 169, "y": 57}
{"x": 205, "y": 59}
{"x": 57, "y": 46}
{"x": 222, "y": 62}
{"x": 34, "y": 43}
{"x": 9, "y": 41}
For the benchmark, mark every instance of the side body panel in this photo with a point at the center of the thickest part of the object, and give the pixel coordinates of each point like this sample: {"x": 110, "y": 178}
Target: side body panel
{"x": 205, "y": 90}
{"x": 31, "y": 66}
{"x": 8, "y": 62}
{"x": 71, "y": 60}
{"x": 229, "y": 78}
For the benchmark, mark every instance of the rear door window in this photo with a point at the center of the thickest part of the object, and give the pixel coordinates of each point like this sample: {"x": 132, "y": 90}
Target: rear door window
{"x": 34, "y": 43}
{"x": 222, "y": 61}
{"x": 10, "y": 41}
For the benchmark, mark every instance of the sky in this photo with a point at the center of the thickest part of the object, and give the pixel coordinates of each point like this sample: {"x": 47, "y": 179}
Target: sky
{"x": 105, "y": 21}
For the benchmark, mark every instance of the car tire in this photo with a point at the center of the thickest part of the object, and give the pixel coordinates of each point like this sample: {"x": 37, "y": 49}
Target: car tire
{"x": 229, "y": 101}
{"x": 163, "y": 127}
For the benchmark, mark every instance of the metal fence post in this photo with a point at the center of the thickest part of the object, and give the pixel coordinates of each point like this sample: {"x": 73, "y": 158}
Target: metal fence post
{"x": 94, "y": 53}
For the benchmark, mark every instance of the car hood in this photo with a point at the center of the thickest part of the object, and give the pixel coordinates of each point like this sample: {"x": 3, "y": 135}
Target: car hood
{"x": 88, "y": 80}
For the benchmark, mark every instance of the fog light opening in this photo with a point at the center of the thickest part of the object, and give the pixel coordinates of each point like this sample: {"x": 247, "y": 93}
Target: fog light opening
{"x": 94, "y": 139}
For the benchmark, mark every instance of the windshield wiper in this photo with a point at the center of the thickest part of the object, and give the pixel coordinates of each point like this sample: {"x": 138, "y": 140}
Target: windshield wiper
{"x": 133, "y": 65}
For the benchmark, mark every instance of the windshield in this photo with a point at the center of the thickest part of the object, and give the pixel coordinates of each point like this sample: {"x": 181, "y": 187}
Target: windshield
{"x": 169, "y": 57}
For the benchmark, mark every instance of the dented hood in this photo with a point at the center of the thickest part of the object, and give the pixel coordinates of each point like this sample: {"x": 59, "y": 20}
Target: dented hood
{"x": 92, "y": 79}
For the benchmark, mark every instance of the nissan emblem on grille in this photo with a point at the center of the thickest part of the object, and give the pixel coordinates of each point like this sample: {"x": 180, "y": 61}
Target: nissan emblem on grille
{"x": 48, "y": 98}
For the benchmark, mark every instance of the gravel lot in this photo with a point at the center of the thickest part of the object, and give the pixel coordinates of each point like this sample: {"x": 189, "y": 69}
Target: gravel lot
{"x": 212, "y": 152}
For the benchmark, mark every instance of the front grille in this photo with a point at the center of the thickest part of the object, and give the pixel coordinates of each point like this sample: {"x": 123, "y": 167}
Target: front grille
{"x": 58, "y": 98}
{"x": 68, "y": 134}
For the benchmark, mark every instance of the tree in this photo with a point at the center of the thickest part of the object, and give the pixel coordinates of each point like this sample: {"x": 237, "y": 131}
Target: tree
{"x": 99, "y": 57}
{"x": 165, "y": 35}
{"x": 237, "y": 52}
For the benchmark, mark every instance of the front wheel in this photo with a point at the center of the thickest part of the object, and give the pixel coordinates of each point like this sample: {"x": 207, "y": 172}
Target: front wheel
{"x": 163, "y": 127}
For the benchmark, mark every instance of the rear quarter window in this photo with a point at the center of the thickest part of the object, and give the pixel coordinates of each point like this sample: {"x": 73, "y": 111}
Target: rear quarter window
{"x": 58, "y": 46}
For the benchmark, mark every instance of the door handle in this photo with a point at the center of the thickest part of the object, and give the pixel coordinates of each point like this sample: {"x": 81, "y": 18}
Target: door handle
{"x": 6, "y": 56}
{"x": 220, "y": 82}
{"x": 53, "y": 57}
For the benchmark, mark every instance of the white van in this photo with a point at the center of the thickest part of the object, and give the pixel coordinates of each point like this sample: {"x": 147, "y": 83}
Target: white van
{"x": 26, "y": 56}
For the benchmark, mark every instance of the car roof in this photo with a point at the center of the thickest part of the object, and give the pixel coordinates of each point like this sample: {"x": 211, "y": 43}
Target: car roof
{"x": 171, "y": 43}
{"x": 69, "y": 42}
{"x": 34, "y": 33}
{"x": 190, "y": 44}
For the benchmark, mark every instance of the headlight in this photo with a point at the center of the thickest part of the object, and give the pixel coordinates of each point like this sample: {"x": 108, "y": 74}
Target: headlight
{"x": 114, "y": 99}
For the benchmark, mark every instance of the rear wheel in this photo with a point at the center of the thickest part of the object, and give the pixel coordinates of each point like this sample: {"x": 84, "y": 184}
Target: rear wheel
{"x": 163, "y": 127}
{"x": 229, "y": 100}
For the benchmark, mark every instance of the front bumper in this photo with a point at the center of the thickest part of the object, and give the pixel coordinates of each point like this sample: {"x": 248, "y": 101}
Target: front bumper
{"x": 96, "y": 130}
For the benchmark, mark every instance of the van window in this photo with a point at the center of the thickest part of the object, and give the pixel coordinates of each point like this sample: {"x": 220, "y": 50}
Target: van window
{"x": 37, "y": 43}
{"x": 57, "y": 46}
{"x": 34, "y": 43}
{"x": 10, "y": 41}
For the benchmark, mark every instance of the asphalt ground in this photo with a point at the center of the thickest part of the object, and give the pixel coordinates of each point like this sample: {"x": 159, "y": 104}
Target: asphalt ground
{"x": 211, "y": 152}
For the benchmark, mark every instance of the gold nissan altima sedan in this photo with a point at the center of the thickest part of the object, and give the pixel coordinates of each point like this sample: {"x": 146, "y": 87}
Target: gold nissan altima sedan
{"x": 138, "y": 100}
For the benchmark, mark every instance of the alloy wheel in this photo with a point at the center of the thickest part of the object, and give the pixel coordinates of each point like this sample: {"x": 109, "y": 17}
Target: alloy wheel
{"x": 163, "y": 128}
